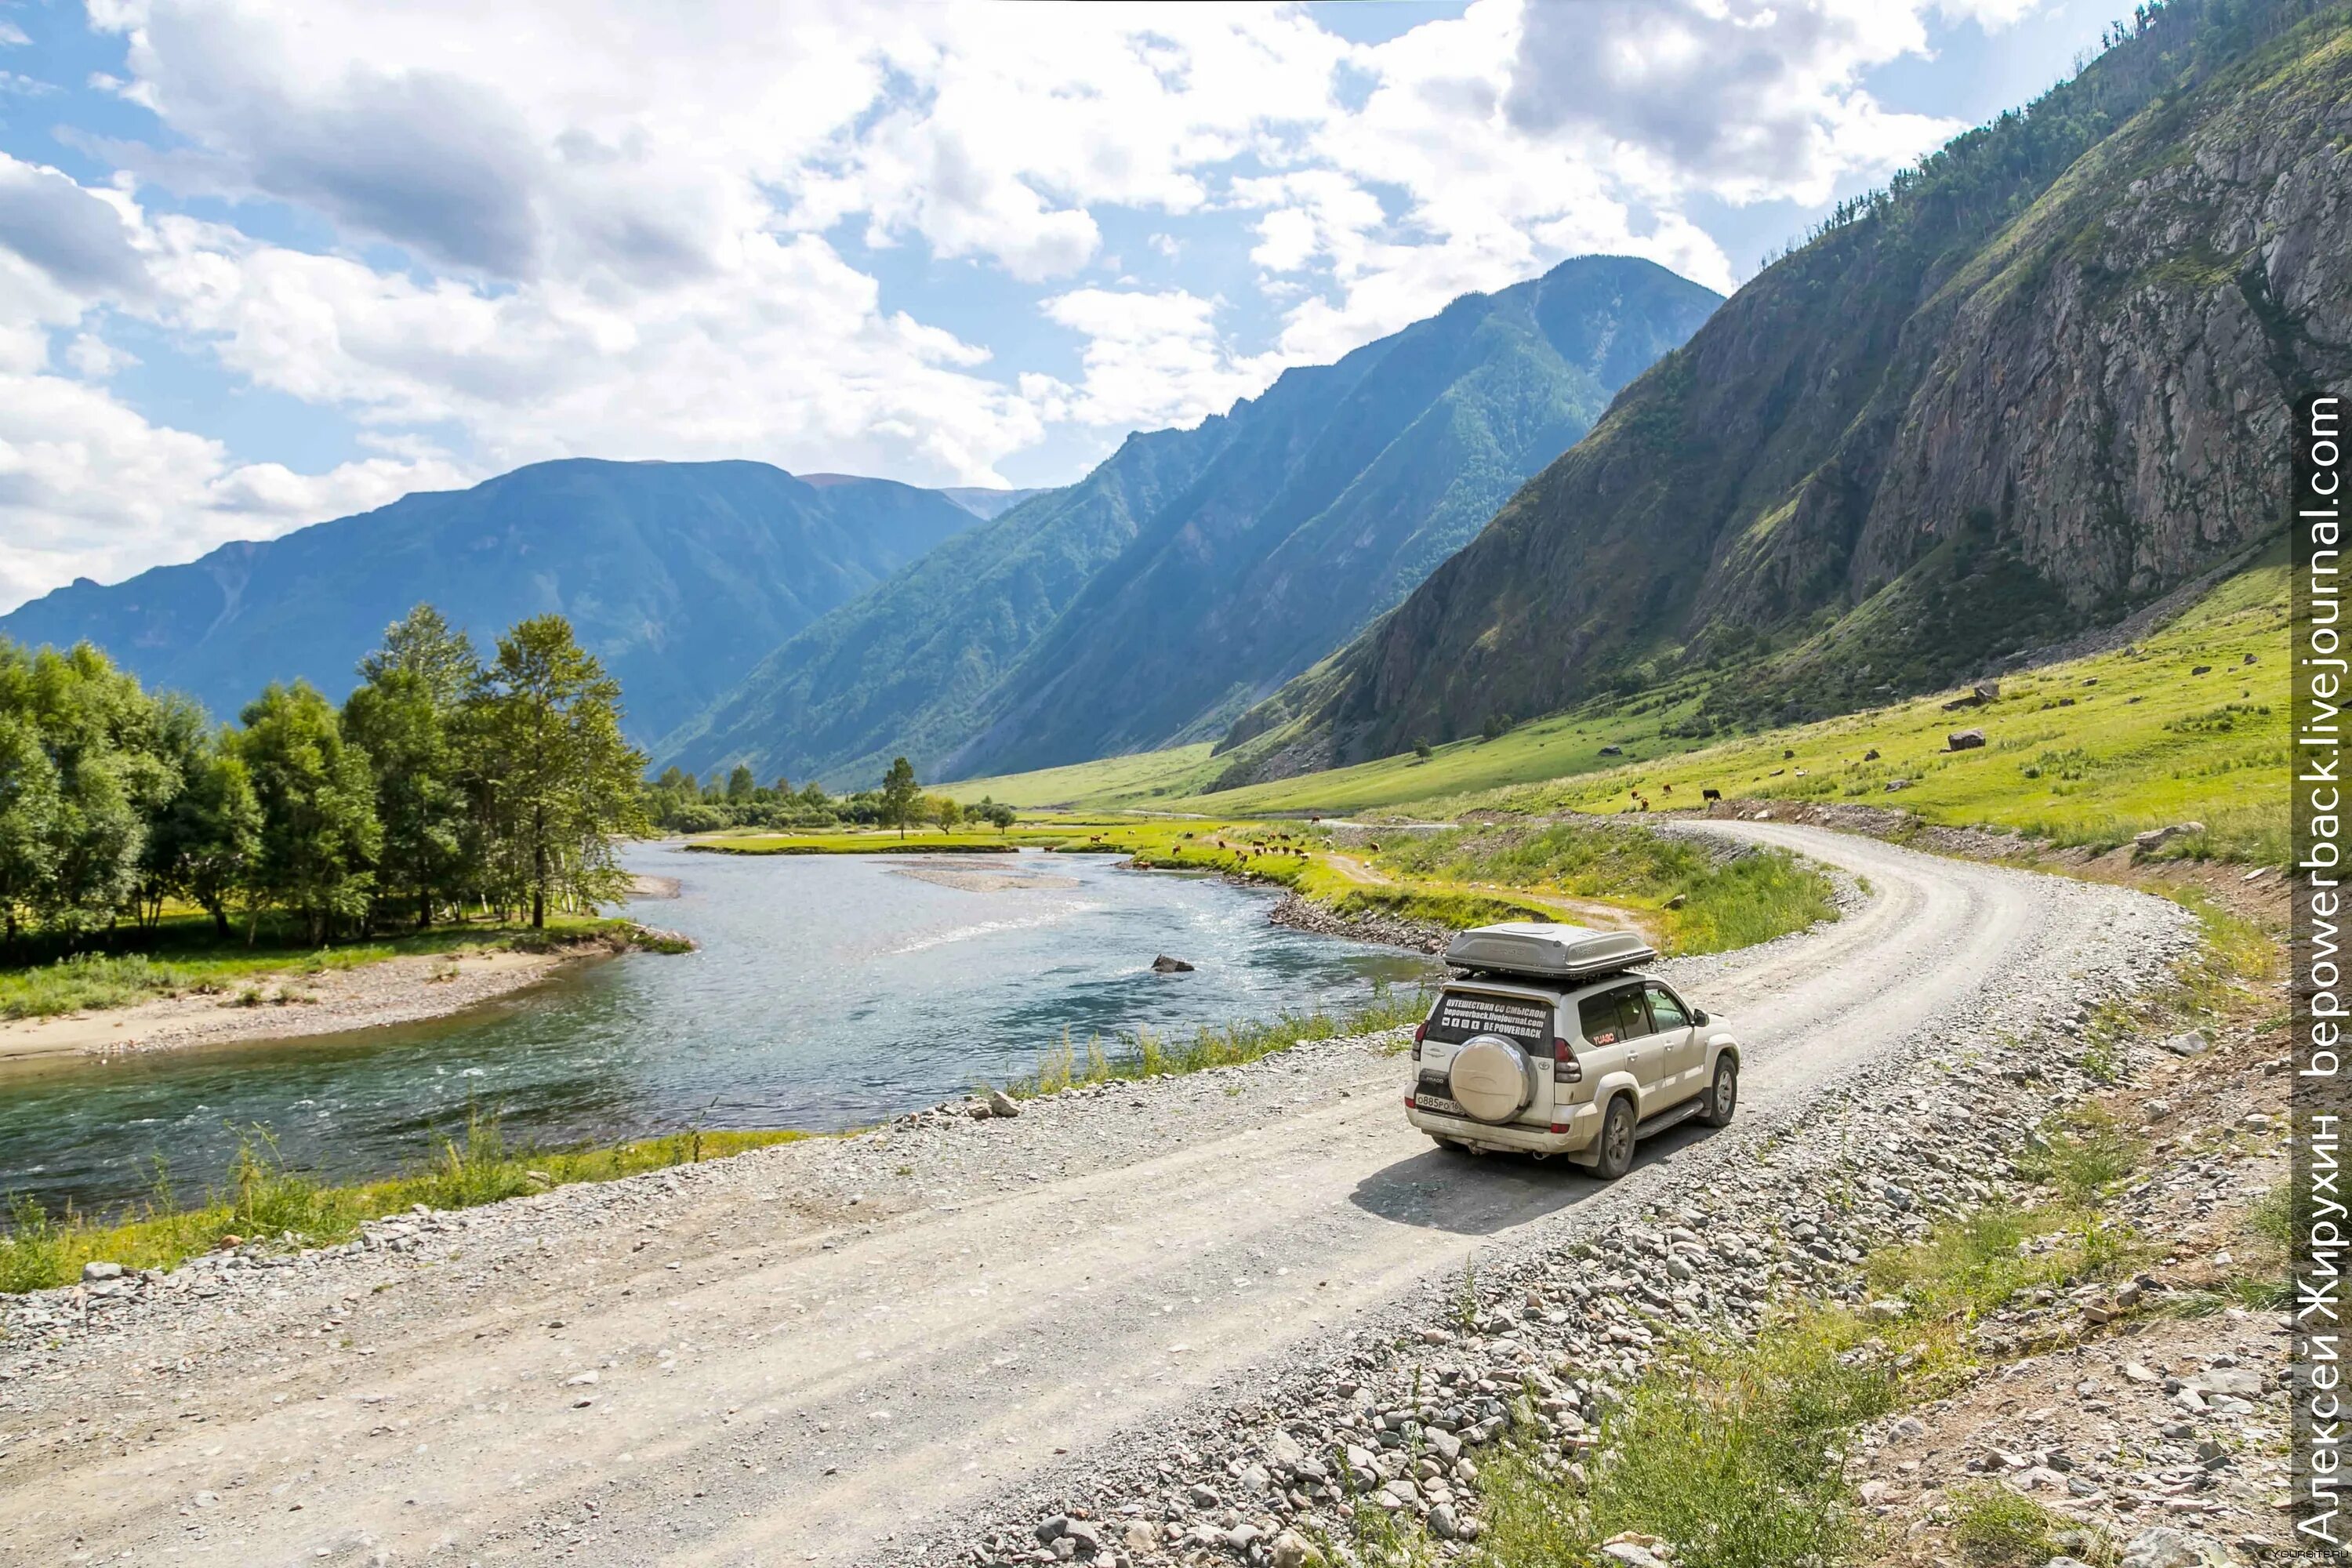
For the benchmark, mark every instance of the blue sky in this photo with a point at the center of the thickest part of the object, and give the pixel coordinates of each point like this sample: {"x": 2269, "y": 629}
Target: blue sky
{"x": 267, "y": 262}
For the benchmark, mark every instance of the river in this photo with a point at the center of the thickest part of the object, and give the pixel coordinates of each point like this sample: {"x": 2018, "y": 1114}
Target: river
{"x": 827, "y": 992}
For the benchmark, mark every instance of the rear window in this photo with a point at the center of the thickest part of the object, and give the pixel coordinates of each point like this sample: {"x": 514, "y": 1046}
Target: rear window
{"x": 1464, "y": 1013}
{"x": 1614, "y": 1016}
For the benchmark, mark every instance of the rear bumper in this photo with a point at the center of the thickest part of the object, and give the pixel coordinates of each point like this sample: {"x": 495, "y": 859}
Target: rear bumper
{"x": 1581, "y": 1123}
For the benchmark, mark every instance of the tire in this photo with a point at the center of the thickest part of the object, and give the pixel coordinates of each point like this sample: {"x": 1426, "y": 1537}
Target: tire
{"x": 1450, "y": 1146}
{"x": 1612, "y": 1146}
{"x": 1723, "y": 1094}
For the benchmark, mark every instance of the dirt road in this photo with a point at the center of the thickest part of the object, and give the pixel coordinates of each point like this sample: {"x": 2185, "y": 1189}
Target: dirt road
{"x": 824, "y": 1351}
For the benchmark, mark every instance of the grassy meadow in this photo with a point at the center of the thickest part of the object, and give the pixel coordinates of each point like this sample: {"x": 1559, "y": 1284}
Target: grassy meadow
{"x": 2088, "y": 752}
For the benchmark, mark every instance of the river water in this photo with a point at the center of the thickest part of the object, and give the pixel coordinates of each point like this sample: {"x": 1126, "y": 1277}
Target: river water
{"x": 829, "y": 991}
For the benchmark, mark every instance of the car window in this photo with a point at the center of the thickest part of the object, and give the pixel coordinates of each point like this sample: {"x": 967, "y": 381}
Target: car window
{"x": 1667, "y": 1009}
{"x": 1464, "y": 1014}
{"x": 1613, "y": 1016}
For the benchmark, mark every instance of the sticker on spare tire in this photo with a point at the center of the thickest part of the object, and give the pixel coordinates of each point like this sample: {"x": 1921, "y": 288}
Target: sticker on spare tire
{"x": 1463, "y": 1014}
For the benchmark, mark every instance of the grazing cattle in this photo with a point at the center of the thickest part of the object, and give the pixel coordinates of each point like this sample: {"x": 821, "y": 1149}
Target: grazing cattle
{"x": 1666, "y": 789}
{"x": 1710, "y": 794}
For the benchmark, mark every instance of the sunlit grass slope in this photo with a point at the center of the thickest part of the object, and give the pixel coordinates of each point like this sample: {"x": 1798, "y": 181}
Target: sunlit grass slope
{"x": 2088, "y": 752}
{"x": 1141, "y": 779}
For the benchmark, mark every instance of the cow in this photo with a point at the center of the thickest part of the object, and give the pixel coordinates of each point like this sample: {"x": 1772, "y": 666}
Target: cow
{"x": 1706, "y": 795}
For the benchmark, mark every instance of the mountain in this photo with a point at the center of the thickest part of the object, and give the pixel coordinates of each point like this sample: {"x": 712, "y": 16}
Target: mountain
{"x": 677, "y": 575}
{"x": 2040, "y": 381}
{"x": 980, "y": 500}
{"x": 1195, "y": 571}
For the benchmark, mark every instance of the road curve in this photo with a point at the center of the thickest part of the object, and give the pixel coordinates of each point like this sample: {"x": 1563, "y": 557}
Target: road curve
{"x": 771, "y": 1384}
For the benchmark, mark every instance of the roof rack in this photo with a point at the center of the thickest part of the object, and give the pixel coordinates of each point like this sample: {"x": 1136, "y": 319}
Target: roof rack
{"x": 1546, "y": 951}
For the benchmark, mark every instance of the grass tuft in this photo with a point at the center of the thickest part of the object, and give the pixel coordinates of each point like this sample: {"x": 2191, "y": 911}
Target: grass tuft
{"x": 263, "y": 1198}
{"x": 1145, "y": 1054}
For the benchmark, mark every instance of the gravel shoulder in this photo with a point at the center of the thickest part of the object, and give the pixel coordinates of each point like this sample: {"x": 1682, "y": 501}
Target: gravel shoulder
{"x": 854, "y": 1349}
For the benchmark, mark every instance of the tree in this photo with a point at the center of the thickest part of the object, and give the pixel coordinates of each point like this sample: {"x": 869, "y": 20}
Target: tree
{"x": 558, "y": 777}
{"x": 901, "y": 795}
{"x": 992, "y": 812}
{"x": 98, "y": 731}
{"x": 413, "y": 757}
{"x": 946, "y": 811}
{"x": 741, "y": 785}
{"x": 28, "y": 830}
{"x": 409, "y": 718}
{"x": 202, "y": 846}
{"x": 423, "y": 645}
{"x": 320, "y": 836}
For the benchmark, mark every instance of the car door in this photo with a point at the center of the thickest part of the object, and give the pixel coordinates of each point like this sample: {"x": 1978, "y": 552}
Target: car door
{"x": 1615, "y": 1024}
{"x": 1679, "y": 1046}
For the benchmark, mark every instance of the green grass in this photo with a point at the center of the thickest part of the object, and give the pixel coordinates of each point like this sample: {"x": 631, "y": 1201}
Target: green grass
{"x": 263, "y": 1198}
{"x": 1145, "y": 1054}
{"x": 1731, "y": 1454}
{"x": 187, "y": 957}
{"x": 2085, "y": 752}
{"x": 1996, "y": 1528}
{"x": 1137, "y": 779}
{"x": 1723, "y": 903}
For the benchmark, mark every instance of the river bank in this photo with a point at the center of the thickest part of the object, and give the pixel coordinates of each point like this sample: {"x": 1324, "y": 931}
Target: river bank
{"x": 295, "y": 1001}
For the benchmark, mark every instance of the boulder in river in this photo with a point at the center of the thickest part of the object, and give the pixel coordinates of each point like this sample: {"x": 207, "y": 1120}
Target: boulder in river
{"x": 1163, "y": 964}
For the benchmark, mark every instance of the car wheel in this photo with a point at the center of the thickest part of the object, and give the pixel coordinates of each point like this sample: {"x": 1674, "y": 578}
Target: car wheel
{"x": 1723, "y": 1094}
{"x": 1613, "y": 1149}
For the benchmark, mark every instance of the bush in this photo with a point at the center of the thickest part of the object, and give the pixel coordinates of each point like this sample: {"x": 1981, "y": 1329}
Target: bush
{"x": 1731, "y": 1455}
{"x": 1995, "y": 1528}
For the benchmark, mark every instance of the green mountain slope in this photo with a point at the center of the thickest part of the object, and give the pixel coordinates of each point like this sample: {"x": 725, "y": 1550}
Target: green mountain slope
{"x": 2043, "y": 380}
{"x": 1139, "y": 610}
{"x": 677, "y": 575}
{"x": 901, "y": 670}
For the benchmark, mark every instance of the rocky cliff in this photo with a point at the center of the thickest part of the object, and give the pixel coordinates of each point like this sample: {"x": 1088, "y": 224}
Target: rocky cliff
{"x": 2041, "y": 380}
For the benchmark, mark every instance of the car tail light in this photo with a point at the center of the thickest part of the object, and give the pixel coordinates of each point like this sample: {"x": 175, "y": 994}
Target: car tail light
{"x": 1565, "y": 1067}
{"x": 1409, "y": 1104}
{"x": 1420, "y": 1033}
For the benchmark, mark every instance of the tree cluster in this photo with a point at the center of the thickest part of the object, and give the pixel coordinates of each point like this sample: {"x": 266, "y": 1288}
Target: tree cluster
{"x": 680, "y": 802}
{"x": 442, "y": 787}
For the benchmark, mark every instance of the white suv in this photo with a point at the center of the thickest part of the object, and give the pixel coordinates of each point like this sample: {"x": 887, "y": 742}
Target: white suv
{"x": 1568, "y": 1061}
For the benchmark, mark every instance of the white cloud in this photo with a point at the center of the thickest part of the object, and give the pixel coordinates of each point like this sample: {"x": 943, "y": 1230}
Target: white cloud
{"x": 1153, "y": 360}
{"x": 89, "y": 488}
{"x": 619, "y": 229}
{"x": 1747, "y": 99}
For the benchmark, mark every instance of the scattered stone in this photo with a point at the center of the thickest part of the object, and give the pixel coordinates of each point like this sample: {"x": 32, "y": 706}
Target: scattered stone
{"x": 1163, "y": 964}
{"x": 1002, "y": 1104}
{"x": 1965, "y": 740}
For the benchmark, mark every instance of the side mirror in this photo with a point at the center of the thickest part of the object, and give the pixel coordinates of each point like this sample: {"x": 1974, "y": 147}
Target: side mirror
{"x": 1698, "y": 1016}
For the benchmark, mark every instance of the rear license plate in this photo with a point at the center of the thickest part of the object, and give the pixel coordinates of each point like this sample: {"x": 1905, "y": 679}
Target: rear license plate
{"x": 1437, "y": 1104}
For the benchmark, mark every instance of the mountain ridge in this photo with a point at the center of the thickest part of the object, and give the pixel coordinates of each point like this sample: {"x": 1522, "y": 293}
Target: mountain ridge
{"x": 677, "y": 575}
{"x": 2040, "y": 381}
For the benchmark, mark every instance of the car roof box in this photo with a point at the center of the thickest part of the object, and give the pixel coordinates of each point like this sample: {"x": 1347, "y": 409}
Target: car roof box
{"x": 1547, "y": 951}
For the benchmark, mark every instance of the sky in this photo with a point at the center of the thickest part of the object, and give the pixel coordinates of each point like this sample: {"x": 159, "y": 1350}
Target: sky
{"x": 265, "y": 262}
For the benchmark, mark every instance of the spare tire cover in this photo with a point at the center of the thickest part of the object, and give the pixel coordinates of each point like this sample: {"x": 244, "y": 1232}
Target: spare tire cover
{"x": 1489, "y": 1077}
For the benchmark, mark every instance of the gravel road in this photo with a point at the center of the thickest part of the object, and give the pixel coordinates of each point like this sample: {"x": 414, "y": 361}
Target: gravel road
{"x": 854, "y": 1349}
